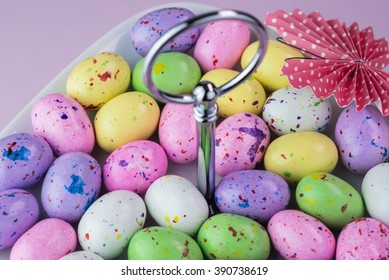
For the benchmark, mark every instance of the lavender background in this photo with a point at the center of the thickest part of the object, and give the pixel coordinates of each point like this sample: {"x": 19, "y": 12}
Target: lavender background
{"x": 39, "y": 38}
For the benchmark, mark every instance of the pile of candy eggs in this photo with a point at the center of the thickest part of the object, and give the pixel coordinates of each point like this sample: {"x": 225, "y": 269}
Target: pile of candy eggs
{"x": 277, "y": 191}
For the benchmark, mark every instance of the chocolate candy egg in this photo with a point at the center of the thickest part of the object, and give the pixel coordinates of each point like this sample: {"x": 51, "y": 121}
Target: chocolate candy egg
{"x": 298, "y": 236}
{"x": 256, "y": 194}
{"x": 296, "y": 155}
{"x": 329, "y": 199}
{"x": 178, "y": 132}
{"x": 241, "y": 141}
{"x": 134, "y": 166}
{"x": 19, "y": 211}
{"x": 63, "y": 123}
{"x": 230, "y": 236}
{"x": 362, "y": 138}
{"x": 150, "y": 27}
{"x": 221, "y": 44}
{"x": 70, "y": 186}
{"x": 363, "y": 239}
{"x": 161, "y": 243}
{"x": 248, "y": 97}
{"x": 82, "y": 255}
{"x": 128, "y": 117}
{"x": 49, "y": 239}
{"x": 288, "y": 110}
{"x": 109, "y": 223}
{"x": 24, "y": 160}
{"x": 97, "y": 79}
{"x": 174, "y": 202}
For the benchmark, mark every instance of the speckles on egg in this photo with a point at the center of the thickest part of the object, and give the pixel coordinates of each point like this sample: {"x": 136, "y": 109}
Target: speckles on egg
{"x": 82, "y": 256}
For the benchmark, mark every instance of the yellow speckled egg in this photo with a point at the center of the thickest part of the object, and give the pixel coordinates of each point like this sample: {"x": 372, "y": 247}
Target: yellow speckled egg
{"x": 268, "y": 72}
{"x": 127, "y": 117}
{"x": 99, "y": 78}
{"x": 248, "y": 97}
{"x": 296, "y": 155}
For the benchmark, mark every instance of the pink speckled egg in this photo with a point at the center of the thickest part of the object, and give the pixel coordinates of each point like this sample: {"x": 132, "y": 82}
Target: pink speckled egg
{"x": 178, "y": 133}
{"x": 241, "y": 141}
{"x": 363, "y": 239}
{"x": 63, "y": 122}
{"x": 49, "y": 239}
{"x": 221, "y": 44}
{"x": 298, "y": 236}
{"x": 135, "y": 166}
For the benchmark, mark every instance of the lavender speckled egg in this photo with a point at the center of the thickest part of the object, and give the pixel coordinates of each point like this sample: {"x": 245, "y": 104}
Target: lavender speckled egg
{"x": 362, "y": 138}
{"x": 63, "y": 122}
{"x": 135, "y": 166}
{"x": 256, "y": 194}
{"x": 241, "y": 141}
{"x": 49, "y": 239}
{"x": 298, "y": 236}
{"x": 24, "y": 160}
{"x": 19, "y": 211}
{"x": 363, "y": 239}
{"x": 178, "y": 133}
{"x": 149, "y": 28}
{"x": 71, "y": 185}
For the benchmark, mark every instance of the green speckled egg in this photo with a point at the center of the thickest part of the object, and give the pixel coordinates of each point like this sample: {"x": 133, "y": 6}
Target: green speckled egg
{"x": 230, "y": 236}
{"x": 329, "y": 199}
{"x": 161, "y": 243}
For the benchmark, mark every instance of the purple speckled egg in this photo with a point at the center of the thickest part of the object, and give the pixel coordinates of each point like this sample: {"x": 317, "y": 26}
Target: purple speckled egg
{"x": 64, "y": 123}
{"x": 24, "y": 159}
{"x": 149, "y": 28}
{"x": 19, "y": 211}
{"x": 298, "y": 236}
{"x": 363, "y": 239}
{"x": 71, "y": 185}
{"x": 178, "y": 133}
{"x": 135, "y": 166}
{"x": 256, "y": 194}
{"x": 241, "y": 141}
{"x": 362, "y": 138}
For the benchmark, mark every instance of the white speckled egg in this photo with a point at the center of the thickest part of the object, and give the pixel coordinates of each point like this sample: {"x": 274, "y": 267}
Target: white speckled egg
{"x": 174, "y": 202}
{"x": 82, "y": 255}
{"x": 288, "y": 110}
{"x": 109, "y": 223}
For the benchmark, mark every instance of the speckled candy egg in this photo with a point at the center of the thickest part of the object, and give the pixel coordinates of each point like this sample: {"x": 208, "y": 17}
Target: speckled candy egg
{"x": 161, "y": 243}
{"x": 174, "y": 202}
{"x": 24, "y": 160}
{"x": 97, "y": 79}
{"x": 134, "y": 166}
{"x": 298, "y": 236}
{"x": 230, "y": 236}
{"x": 149, "y": 28}
{"x": 49, "y": 239}
{"x": 63, "y": 123}
{"x": 288, "y": 110}
{"x": 71, "y": 185}
{"x": 178, "y": 132}
{"x": 362, "y": 138}
{"x": 256, "y": 194}
{"x": 221, "y": 44}
{"x": 329, "y": 199}
{"x": 109, "y": 223}
{"x": 82, "y": 256}
{"x": 363, "y": 239}
{"x": 241, "y": 141}
{"x": 19, "y": 211}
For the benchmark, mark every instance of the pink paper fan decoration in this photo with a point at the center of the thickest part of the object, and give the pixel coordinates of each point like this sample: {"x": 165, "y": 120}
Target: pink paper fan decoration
{"x": 341, "y": 61}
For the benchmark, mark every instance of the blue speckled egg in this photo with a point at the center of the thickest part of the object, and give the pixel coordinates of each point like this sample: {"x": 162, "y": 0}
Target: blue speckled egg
{"x": 71, "y": 185}
{"x": 24, "y": 159}
{"x": 19, "y": 211}
{"x": 149, "y": 28}
{"x": 256, "y": 194}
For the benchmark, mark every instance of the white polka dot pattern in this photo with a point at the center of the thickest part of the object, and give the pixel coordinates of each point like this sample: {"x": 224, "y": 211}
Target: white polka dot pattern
{"x": 342, "y": 61}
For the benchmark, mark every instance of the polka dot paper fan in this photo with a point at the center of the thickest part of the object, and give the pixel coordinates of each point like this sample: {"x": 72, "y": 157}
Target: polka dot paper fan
{"x": 342, "y": 61}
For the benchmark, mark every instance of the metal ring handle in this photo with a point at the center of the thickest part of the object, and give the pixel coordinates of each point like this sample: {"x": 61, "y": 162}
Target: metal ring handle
{"x": 151, "y": 56}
